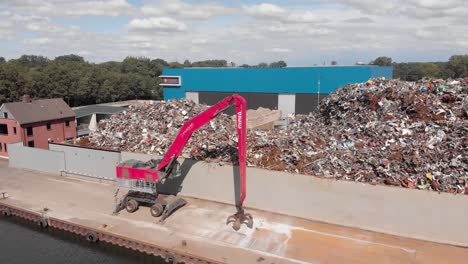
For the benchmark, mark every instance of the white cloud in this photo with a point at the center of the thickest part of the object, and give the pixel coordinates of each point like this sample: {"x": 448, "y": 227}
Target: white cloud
{"x": 265, "y": 10}
{"x": 37, "y": 41}
{"x": 279, "y": 50}
{"x": 185, "y": 10}
{"x": 274, "y": 12}
{"x": 143, "y": 45}
{"x": 422, "y": 9}
{"x": 84, "y": 53}
{"x": 200, "y": 41}
{"x": 165, "y": 24}
{"x": 6, "y": 24}
{"x": 359, "y": 20}
{"x": 71, "y": 8}
{"x": 341, "y": 30}
{"x": 39, "y": 24}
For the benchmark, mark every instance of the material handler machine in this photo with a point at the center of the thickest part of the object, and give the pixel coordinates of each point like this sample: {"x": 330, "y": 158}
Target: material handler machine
{"x": 143, "y": 180}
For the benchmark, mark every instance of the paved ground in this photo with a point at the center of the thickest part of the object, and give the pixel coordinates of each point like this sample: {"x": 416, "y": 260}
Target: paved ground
{"x": 274, "y": 238}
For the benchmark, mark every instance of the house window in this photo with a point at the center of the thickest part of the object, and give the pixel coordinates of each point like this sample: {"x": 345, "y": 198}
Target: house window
{"x": 5, "y": 115}
{"x": 49, "y": 126}
{"x": 14, "y": 130}
{"x": 31, "y": 144}
{"x": 30, "y": 131}
{"x": 67, "y": 123}
{"x": 3, "y": 129}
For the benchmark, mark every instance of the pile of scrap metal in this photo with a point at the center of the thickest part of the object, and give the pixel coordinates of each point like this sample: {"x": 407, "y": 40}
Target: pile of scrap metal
{"x": 393, "y": 132}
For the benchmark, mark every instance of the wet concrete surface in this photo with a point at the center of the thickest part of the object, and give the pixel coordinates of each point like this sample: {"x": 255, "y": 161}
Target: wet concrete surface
{"x": 199, "y": 228}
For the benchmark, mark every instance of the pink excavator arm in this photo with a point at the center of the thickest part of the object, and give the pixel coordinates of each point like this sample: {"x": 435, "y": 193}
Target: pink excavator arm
{"x": 201, "y": 119}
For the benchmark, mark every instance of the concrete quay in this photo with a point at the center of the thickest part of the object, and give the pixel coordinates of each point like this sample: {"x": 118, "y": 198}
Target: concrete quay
{"x": 197, "y": 232}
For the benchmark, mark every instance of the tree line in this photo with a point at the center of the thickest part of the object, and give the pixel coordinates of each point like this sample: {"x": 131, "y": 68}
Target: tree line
{"x": 455, "y": 67}
{"x": 80, "y": 82}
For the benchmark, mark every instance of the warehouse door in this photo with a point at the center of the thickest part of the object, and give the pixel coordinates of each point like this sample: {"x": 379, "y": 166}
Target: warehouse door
{"x": 254, "y": 100}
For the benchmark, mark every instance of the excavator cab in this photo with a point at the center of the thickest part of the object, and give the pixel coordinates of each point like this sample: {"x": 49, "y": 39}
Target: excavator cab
{"x": 144, "y": 190}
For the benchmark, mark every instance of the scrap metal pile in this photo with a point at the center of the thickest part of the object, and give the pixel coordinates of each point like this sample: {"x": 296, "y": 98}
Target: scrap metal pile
{"x": 409, "y": 134}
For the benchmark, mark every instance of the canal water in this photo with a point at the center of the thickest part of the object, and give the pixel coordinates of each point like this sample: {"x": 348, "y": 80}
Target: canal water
{"x": 23, "y": 242}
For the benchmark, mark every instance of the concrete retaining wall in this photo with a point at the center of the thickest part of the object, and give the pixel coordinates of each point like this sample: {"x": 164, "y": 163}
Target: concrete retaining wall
{"x": 88, "y": 162}
{"x": 62, "y": 158}
{"x": 35, "y": 159}
{"x": 410, "y": 213}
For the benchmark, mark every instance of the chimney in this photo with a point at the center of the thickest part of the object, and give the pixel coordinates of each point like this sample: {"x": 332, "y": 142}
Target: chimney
{"x": 26, "y": 98}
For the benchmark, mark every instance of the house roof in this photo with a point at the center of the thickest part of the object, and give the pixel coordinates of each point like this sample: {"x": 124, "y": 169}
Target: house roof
{"x": 96, "y": 109}
{"x": 39, "y": 110}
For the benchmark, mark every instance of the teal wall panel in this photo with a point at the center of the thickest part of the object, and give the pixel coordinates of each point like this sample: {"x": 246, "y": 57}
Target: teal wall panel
{"x": 270, "y": 80}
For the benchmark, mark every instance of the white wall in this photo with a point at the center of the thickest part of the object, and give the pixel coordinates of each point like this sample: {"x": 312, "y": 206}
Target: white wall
{"x": 287, "y": 104}
{"x": 35, "y": 158}
{"x": 88, "y": 162}
{"x": 192, "y": 96}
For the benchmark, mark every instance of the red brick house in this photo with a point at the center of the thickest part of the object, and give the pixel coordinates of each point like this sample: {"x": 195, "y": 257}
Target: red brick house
{"x": 35, "y": 123}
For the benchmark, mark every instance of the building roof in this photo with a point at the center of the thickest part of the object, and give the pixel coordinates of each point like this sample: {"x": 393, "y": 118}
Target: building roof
{"x": 39, "y": 110}
{"x": 96, "y": 109}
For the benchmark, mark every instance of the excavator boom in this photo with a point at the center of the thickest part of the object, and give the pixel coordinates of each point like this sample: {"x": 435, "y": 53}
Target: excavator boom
{"x": 134, "y": 171}
{"x": 201, "y": 119}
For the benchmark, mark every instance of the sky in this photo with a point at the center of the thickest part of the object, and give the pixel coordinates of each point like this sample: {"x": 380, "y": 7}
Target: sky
{"x": 301, "y": 32}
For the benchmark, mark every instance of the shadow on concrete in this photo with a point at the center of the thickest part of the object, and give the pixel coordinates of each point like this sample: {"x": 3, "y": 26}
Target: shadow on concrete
{"x": 174, "y": 185}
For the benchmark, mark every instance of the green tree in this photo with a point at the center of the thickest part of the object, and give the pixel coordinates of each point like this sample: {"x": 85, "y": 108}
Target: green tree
{"x": 71, "y": 57}
{"x": 139, "y": 65}
{"x": 278, "y": 64}
{"x": 32, "y": 60}
{"x": 160, "y": 62}
{"x": 430, "y": 70}
{"x": 382, "y": 61}
{"x": 12, "y": 82}
{"x": 210, "y": 63}
{"x": 2, "y": 60}
{"x": 458, "y": 65}
{"x": 175, "y": 64}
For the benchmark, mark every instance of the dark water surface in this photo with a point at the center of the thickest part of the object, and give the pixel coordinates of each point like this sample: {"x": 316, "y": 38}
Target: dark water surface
{"x": 23, "y": 242}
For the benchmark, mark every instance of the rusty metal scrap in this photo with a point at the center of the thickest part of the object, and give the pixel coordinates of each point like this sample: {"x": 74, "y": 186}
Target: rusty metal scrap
{"x": 151, "y": 129}
{"x": 392, "y": 132}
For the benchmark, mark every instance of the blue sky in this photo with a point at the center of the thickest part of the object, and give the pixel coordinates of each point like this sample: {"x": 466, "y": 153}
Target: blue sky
{"x": 301, "y": 32}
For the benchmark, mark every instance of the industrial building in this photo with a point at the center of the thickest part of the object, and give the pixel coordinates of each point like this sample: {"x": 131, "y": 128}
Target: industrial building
{"x": 292, "y": 90}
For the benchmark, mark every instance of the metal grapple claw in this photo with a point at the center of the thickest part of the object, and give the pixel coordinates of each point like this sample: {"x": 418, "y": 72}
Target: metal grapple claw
{"x": 240, "y": 218}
